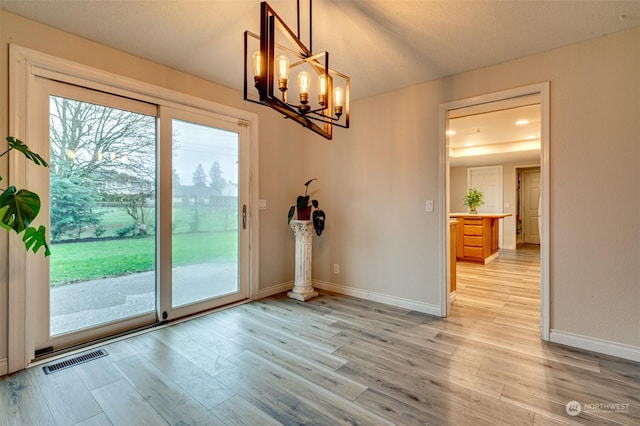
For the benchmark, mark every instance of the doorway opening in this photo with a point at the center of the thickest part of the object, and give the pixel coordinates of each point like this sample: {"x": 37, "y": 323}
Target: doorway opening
{"x": 466, "y": 145}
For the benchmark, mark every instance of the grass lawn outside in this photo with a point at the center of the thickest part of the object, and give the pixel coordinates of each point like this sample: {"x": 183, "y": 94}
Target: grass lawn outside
{"x": 184, "y": 220}
{"x": 82, "y": 261}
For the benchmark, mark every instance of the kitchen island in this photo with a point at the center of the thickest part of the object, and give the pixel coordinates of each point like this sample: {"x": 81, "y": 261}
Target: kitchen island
{"x": 478, "y": 236}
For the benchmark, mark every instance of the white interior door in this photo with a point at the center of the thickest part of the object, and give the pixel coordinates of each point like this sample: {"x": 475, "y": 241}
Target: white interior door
{"x": 531, "y": 205}
{"x": 489, "y": 181}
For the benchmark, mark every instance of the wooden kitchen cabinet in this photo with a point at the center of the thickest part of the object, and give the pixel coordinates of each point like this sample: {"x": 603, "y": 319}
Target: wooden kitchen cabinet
{"x": 478, "y": 236}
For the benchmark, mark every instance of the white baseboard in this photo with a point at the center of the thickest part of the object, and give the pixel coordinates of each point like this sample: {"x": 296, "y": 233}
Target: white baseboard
{"x": 274, "y": 289}
{"x": 491, "y": 258}
{"x": 452, "y": 297}
{"x": 379, "y": 297}
{"x": 4, "y": 367}
{"x": 619, "y": 350}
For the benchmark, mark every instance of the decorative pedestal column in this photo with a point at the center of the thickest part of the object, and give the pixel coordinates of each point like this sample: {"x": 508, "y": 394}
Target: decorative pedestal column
{"x": 302, "y": 288}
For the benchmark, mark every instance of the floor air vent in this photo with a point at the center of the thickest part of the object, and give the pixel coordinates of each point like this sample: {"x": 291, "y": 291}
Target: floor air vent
{"x": 78, "y": 359}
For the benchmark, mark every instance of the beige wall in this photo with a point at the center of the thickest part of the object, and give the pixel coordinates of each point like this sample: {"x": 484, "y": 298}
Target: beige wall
{"x": 280, "y": 140}
{"x": 376, "y": 176}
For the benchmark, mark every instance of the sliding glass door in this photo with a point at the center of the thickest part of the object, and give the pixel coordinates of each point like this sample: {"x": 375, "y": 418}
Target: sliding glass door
{"x": 145, "y": 208}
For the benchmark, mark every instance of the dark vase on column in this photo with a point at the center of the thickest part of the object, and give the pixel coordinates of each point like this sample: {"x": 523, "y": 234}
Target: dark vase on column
{"x": 304, "y": 213}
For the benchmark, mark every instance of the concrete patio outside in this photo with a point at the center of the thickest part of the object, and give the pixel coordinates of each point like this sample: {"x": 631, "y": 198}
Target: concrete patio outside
{"x": 84, "y": 304}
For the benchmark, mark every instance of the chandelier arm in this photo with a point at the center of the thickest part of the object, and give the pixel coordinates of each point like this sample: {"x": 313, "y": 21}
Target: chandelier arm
{"x": 314, "y": 112}
{"x": 315, "y": 115}
{"x": 328, "y": 120}
{"x": 325, "y": 119}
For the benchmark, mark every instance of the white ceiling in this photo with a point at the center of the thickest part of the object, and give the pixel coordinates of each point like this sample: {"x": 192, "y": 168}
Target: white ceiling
{"x": 496, "y": 133}
{"x": 382, "y": 45}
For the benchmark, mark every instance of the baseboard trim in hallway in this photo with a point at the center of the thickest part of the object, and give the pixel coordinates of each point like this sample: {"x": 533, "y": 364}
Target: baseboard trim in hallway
{"x": 619, "y": 350}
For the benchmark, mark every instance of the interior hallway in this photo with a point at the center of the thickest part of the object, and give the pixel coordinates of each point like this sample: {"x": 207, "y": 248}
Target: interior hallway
{"x": 507, "y": 288}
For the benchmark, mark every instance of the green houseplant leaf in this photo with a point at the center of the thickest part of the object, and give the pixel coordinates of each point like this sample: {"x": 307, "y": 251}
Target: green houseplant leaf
{"x": 302, "y": 201}
{"x": 292, "y": 211}
{"x": 34, "y": 239}
{"x": 474, "y": 198}
{"x": 19, "y": 208}
{"x": 18, "y": 145}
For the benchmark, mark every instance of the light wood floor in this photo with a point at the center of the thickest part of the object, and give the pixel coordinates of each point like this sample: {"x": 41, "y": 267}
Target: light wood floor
{"x": 341, "y": 360}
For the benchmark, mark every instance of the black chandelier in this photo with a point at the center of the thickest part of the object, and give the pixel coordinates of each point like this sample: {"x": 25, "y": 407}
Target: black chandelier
{"x": 275, "y": 55}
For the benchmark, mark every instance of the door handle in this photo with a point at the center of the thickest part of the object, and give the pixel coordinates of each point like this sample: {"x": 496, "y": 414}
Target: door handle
{"x": 244, "y": 216}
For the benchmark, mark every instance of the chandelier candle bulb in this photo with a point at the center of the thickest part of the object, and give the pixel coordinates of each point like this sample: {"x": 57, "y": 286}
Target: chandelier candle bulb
{"x": 303, "y": 82}
{"x": 257, "y": 68}
{"x": 256, "y": 63}
{"x": 303, "y": 86}
{"x": 283, "y": 72}
{"x": 322, "y": 86}
{"x": 338, "y": 99}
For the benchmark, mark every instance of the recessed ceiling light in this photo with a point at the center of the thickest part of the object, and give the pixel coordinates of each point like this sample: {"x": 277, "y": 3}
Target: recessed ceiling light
{"x": 469, "y": 144}
{"x": 522, "y": 122}
{"x": 450, "y": 132}
{"x": 530, "y": 137}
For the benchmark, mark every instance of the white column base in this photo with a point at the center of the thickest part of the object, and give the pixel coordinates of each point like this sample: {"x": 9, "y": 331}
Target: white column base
{"x": 303, "y": 288}
{"x": 302, "y": 294}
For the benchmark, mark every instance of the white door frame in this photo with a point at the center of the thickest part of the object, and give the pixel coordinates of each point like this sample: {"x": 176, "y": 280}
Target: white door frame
{"x": 24, "y": 66}
{"x": 444, "y": 202}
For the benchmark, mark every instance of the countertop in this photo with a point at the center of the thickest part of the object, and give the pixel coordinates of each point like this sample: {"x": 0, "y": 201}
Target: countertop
{"x": 489, "y": 215}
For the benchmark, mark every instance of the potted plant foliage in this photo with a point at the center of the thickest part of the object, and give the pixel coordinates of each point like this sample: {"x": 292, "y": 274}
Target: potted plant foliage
{"x": 19, "y": 207}
{"x": 473, "y": 199}
{"x": 304, "y": 206}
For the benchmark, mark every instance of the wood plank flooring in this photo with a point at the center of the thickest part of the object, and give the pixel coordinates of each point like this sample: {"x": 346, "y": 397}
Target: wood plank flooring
{"x": 340, "y": 360}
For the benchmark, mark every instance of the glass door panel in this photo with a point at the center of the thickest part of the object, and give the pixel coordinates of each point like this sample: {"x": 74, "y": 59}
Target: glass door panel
{"x": 102, "y": 219}
{"x": 99, "y": 194}
{"x": 205, "y": 200}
